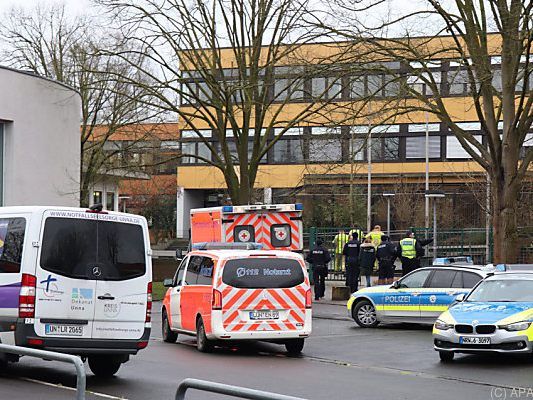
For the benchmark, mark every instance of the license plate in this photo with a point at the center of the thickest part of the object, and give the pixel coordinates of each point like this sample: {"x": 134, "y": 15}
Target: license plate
{"x": 264, "y": 314}
{"x": 63, "y": 330}
{"x": 474, "y": 340}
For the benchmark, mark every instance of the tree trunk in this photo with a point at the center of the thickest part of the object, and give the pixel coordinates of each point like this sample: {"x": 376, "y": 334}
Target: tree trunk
{"x": 504, "y": 222}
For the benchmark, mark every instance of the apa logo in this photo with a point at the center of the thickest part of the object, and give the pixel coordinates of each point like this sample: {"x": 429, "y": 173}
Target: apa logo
{"x": 281, "y": 233}
{"x": 244, "y": 236}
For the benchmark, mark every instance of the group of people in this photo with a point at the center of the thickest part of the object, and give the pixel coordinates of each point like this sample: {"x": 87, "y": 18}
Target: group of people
{"x": 361, "y": 253}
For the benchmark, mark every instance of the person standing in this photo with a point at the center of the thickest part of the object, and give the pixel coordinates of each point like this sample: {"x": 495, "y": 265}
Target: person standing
{"x": 351, "y": 254}
{"x": 359, "y": 232}
{"x": 338, "y": 242}
{"x": 367, "y": 258}
{"x": 319, "y": 258}
{"x": 410, "y": 251}
{"x": 386, "y": 255}
{"x": 375, "y": 236}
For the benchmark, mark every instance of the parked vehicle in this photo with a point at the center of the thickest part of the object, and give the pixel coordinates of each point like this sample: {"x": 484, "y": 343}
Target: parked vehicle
{"x": 227, "y": 295}
{"x": 275, "y": 226}
{"x": 76, "y": 281}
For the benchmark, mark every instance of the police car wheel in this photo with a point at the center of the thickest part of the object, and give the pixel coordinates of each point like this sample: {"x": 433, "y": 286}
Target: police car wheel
{"x": 295, "y": 346}
{"x": 168, "y": 335}
{"x": 364, "y": 314}
{"x": 203, "y": 344}
{"x": 446, "y": 356}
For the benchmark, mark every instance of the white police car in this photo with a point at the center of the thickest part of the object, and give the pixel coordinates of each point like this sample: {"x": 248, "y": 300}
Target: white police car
{"x": 419, "y": 297}
{"x": 497, "y": 316}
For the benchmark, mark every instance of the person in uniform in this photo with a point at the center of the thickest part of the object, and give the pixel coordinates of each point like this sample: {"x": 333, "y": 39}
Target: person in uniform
{"x": 338, "y": 242}
{"x": 386, "y": 254}
{"x": 367, "y": 258}
{"x": 360, "y": 234}
{"x": 375, "y": 236}
{"x": 410, "y": 251}
{"x": 351, "y": 254}
{"x": 319, "y": 258}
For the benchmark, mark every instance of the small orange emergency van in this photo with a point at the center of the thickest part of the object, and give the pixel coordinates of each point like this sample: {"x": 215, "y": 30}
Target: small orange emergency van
{"x": 224, "y": 295}
{"x": 275, "y": 226}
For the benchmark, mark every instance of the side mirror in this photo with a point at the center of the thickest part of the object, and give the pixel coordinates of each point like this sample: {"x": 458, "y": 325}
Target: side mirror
{"x": 460, "y": 298}
{"x": 396, "y": 285}
{"x": 168, "y": 283}
{"x": 179, "y": 254}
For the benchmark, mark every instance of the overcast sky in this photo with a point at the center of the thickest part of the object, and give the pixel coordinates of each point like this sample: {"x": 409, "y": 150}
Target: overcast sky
{"x": 74, "y": 5}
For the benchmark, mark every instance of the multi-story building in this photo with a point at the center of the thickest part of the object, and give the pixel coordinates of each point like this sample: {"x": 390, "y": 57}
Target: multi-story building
{"x": 317, "y": 161}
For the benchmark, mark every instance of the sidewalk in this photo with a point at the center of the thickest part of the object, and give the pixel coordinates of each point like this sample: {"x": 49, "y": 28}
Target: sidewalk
{"x": 331, "y": 284}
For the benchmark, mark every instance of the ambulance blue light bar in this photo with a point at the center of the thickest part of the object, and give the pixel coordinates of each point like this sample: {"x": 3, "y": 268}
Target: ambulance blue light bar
{"x": 227, "y": 209}
{"x": 227, "y": 246}
{"x": 299, "y": 207}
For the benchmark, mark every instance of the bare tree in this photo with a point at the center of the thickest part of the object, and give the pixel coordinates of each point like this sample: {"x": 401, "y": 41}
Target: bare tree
{"x": 50, "y": 43}
{"x": 230, "y": 64}
{"x": 474, "y": 36}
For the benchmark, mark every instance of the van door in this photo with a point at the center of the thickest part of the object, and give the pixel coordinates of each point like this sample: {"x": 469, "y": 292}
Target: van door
{"x": 122, "y": 282}
{"x": 12, "y": 235}
{"x": 281, "y": 230}
{"x": 65, "y": 295}
{"x": 175, "y": 295}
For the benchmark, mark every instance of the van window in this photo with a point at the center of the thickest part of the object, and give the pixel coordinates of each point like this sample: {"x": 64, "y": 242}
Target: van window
{"x": 205, "y": 275}
{"x": 261, "y": 273}
{"x": 73, "y": 247}
{"x": 11, "y": 244}
{"x": 193, "y": 270}
{"x": 280, "y": 235}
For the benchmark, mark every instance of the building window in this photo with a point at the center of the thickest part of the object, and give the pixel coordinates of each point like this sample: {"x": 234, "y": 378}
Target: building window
{"x": 357, "y": 149}
{"x": 325, "y": 150}
{"x": 188, "y": 150}
{"x": 288, "y": 89}
{"x": 296, "y": 131}
{"x": 110, "y": 201}
{"x": 97, "y": 197}
{"x": 288, "y": 151}
{"x": 454, "y": 149}
{"x": 419, "y": 83}
{"x": 458, "y": 81}
{"x": 326, "y": 130}
{"x": 326, "y": 88}
{"x": 415, "y": 147}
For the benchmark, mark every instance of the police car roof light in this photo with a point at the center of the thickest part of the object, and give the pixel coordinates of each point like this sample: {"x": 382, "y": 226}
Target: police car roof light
{"x": 226, "y": 246}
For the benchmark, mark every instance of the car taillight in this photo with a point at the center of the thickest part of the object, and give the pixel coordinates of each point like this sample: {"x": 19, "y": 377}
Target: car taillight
{"x": 149, "y": 303}
{"x": 216, "y": 303}
{"x": 308, "y": 299}
{"x": 27, "y": 296}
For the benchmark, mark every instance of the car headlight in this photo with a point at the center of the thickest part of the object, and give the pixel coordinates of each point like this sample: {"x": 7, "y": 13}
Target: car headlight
{"x": 516, "y": 326}
{"x": 443, "y": 326}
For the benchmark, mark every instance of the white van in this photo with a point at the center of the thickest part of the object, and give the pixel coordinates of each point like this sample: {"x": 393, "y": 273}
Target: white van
{"x": 76, "y": 281}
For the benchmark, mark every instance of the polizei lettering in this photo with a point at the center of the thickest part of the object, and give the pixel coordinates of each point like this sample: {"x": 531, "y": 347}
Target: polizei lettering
{"x": 397, "y": 299}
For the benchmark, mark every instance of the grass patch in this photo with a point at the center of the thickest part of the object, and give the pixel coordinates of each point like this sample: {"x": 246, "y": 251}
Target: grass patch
{"x": 158, "y": 291}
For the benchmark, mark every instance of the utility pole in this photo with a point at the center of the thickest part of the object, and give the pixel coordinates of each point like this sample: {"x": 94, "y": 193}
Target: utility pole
{"x": 426, "y": 209}
{"x": 369, "y": 178}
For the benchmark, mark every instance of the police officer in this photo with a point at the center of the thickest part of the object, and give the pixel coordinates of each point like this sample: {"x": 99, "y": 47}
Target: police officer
{"x": 351, "y": 253}
{"x": 410, "y": 251}
{"x": 319, "y": 258}
{"x": 386, "y": 255}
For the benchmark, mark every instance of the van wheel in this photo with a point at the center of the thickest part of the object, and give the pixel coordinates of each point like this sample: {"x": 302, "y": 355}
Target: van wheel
{"x": 364, "y": 314}
{"x": 104, "y": 367}
{"x": 203, "y": 344}
{"x": 168, "y": 335}
{"x": 295, "y": 346}
{"x": 446, "y": 356}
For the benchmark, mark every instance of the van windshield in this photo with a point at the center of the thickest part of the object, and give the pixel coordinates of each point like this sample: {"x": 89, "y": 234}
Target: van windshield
{"x": 262, "y": 273}
{"x": 75, "y": 247}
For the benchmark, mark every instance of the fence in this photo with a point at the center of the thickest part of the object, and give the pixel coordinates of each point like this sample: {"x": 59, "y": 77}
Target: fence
{"x": 51, "y": 355}
{"x": 228, "y": 390}
{"x": 450, "y": 242}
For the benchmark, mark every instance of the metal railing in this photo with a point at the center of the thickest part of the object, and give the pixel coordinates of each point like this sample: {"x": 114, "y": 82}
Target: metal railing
{"x": 51, "y": 355}
{"x": 228, "y": 390}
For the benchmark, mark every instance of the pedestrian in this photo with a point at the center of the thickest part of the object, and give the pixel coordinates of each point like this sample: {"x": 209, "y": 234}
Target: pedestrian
{"x": 319, "y": 258}
{"x": 359, "y": 232}
{"x": 351, "y": 254}
{"x": 386, "y": 254}
{"x": 338, "y": 242}
{"x": 375, "y": 236}
{"x": 410, "y": 251}
{"x": 367, "y": 258}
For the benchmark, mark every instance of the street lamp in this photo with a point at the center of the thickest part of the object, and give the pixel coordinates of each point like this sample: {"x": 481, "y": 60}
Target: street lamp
{"x": 124, "y": 198}
{"x": 434, "y": 194}
{"x": 388, "y": 195}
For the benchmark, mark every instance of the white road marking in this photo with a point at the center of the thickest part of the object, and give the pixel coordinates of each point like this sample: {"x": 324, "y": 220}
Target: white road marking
{"x": 59, "y": 386}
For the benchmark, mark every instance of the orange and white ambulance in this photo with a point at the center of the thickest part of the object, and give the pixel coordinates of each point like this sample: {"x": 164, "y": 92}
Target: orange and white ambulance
{"x": 275, "y": 226}
{"x": 231, "y": 294}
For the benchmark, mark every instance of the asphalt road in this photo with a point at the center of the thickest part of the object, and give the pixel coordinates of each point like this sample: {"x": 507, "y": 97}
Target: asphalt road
{"x": 340, "y": 361}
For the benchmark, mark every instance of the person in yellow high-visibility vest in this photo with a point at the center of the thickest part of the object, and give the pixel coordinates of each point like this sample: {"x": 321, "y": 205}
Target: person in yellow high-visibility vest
{"x": 360, "y": 234}
{"x": 410, "y": 251}
{"x": 375, "y": 236}
{"x": 338, "y": 242}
